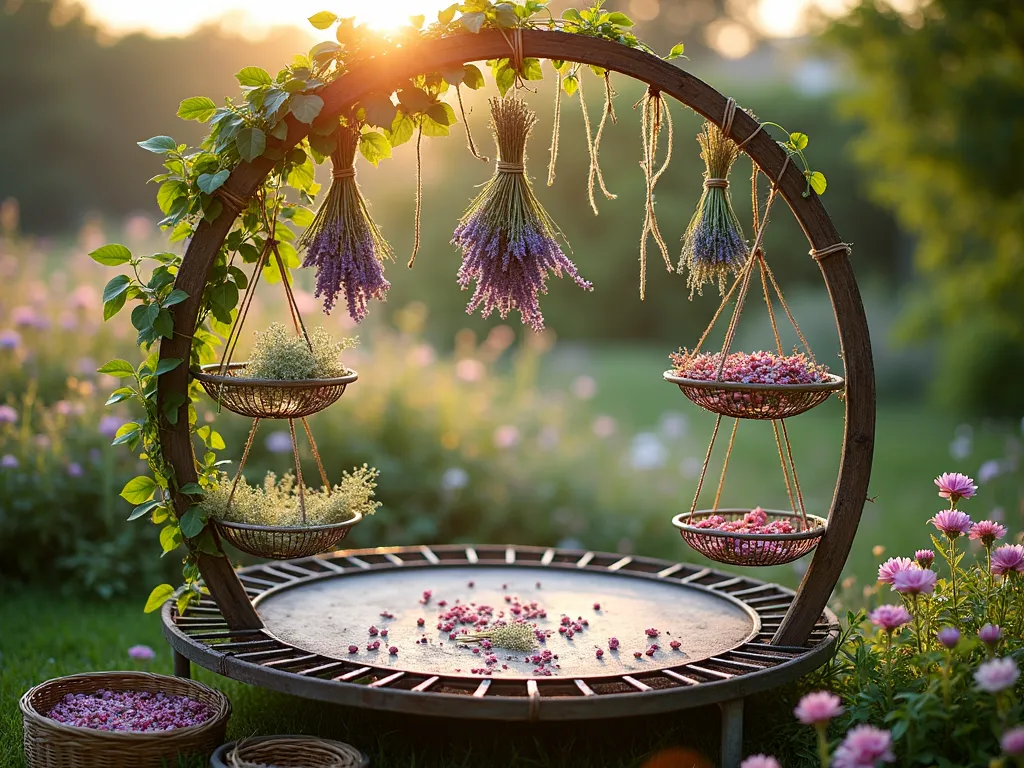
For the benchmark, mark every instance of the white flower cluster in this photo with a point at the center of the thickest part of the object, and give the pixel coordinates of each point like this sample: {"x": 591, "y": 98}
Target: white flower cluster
{"x": 283, "y": 356}
{"x": 276, "y": 503}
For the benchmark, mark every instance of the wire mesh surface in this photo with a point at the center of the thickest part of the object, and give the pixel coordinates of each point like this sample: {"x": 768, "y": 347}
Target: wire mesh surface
{"x": 753, "y": 549}
{"x": 755, "y": 401}
{"x": 266, "y": 398}
{"x": 280, "y": 543}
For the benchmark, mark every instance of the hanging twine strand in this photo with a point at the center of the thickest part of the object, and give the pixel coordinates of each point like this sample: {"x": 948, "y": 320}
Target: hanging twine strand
{"x": 654, "y": 111}
{"x": 594, "y": 145}
{"x": 555, "y": 129}
{"x": 465, "y": 122}
{"x": 419, "y": 194}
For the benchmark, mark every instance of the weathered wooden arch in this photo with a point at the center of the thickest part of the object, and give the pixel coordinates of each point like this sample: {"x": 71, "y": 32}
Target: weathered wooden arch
{"x": 388, "y": 72}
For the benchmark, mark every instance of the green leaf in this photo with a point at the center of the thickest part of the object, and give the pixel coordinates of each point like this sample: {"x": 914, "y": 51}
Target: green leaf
{"x": 571, "y": 14}
{"x": 402, "y": 129}
{"x": 325, "y": 145}
{"x": 210, "y": 437}
{"x": 253, "y": 77}
{"x": 144, "y": 509}
{"x": 301, "y": 217}
{"x": 380, "y": 110}
{"x": 280, "y": 130}
{"x": 191, "y": 489}
{"x": 210, "y": 182}
{"x": 444, "y": 18}
{"x": 122, "y": 369}
{"x": 305, "y": 107}
{"x": 474, "y": 77}
{"x": 166, "y": 365}
{"x": 159, "y": 145}
{"x": 169, "y": 193}
{"x": 473, "y": 21}
{"x": 417, "y": 21}
{"x": 323, "y": 53}
{"x": 170, "y": 538}
{"x": 126, "y": 433}
{"x": 676, "y": 52}
{"x": 570, "y": 84}
{"x": 174, "y": 297}
{"x": 323, "y": 20}
{"x": 818, "y": 182}
{"x": 111, "y": 255}
{"x": 192, "y": 522}
{"x": 274, "y": 99}
{"x": 505, "y": 15}
{"x": 139, "y": 489}
{"x": 374, "y": 147}
{"x": 172, "y": 403}
{"x": 504, "y": 77}
{"x": 250, "y": 143}
{"x": 442, "y": 114}
{"x": 116, "y": 287}
{"x": 112, "y": 307}
{"x": 199, "y": 108}
{"x": 532, "y": 70}
{"x": 158, "y": 597}
{"x": 415, "y": 100}
{"x": 119, "y": 394}
{"x": 798, "y": 140}
{"x": 144, "y": 315}
{"x": 620, "y": 20}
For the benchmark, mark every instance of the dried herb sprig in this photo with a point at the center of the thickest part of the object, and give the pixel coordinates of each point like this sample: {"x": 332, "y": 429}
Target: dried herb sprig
{"x": 713, "y": 244}
{"x": 509, "y": 242}
{"x": 343, "y": 242}
{"x": 517, "y": 636}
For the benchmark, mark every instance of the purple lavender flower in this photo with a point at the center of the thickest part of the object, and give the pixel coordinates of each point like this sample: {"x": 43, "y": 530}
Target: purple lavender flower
{"x": 8, "y": 461}
{"x": 10, "y": 339}
{"x": 75, "y": 469}
{"x": 343, "y": 242}
{"x": 509, "y": 242}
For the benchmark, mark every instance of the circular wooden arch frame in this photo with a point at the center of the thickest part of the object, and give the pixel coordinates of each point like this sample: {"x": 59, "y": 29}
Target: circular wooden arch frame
{"x": 385, "y": 74}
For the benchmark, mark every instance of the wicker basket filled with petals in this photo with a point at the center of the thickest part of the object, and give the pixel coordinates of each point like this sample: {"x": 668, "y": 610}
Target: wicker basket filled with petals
{"x": 755, "y": 385}
{"x": 750, "y": 537}
{"x": 53, "y": 744}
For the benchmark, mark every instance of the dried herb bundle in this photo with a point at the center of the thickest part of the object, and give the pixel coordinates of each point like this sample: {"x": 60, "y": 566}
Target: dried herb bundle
{"x": 343, "y": 242}
{"x": 509, "y": 242}
{"x": 713, "y": 244}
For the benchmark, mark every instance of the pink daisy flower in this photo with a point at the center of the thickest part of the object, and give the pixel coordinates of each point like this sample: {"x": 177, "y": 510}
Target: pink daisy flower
{"x": 1008, "y": 558}
{"x": 1012, "y": 741}
{"x": 915, "y": 581}
{"x": 889, "y": 617}
{"x": 987, "y": 531}
{"x": 996, "y": 675}
{"x": 924, "y": 558}
{"x": 818, "y": 707}
{"x": 887, "y": 571}
{"x": 765, "y": 761}
{"x": 952, "y": 522}
{"x": 955, "y": 486}
{"x": 141, "y": 653}
{"x": 863, "y": 747}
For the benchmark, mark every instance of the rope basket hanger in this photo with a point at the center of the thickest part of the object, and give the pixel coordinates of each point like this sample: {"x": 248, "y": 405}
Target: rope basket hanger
{"x": 259, "y": 399}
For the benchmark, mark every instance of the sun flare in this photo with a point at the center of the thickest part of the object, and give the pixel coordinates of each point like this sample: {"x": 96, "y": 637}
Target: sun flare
{"x": 252, "y": 17}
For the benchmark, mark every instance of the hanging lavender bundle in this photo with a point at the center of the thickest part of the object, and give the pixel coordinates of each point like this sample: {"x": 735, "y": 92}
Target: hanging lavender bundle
{"x": 509, "y": 242}
{"x": 343, "y": 243}
{"x": 713, "y": 243}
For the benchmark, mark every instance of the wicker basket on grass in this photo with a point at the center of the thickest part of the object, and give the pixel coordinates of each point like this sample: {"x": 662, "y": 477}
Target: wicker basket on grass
{"x": 288, "y": 752}
{"x": 49, "y": 744}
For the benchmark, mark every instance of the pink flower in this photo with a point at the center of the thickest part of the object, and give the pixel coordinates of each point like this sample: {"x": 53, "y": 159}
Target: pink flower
{"x": 1007, "y": 558}
{"x": 915, "y": 581}
{"x": 1013, "y": 741}
{"x": 141, "y": 653}
{"x": 996, "y": 675}
{"x": 924, "y": 557}
{"x": 990, "y": 634}
{"x": 353, "y": 649}
{"x": 393, "y": 650}
{"x": 863, "y": 747}
{"x": 951, "y": 522}
{"x": 818, "y": 707}
{"x": 954, "y": 486}
{"x": 949, "y": 636}
{"x": 889, "y": 617}
{"x": 887, "y": 571}
{"x": 760, "y": 761}
{"x": 988, "y": 531}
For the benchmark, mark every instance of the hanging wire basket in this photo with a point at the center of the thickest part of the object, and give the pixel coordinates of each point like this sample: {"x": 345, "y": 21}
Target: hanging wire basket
{"x": 283, "y": 543}
{"x": 269, "y": 398}
{"x": 756, "y": 401}
{"x": 750, "y": 549}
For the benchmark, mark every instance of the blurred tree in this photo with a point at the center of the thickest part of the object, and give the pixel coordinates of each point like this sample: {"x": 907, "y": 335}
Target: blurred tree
{"x": 940, "y": 92}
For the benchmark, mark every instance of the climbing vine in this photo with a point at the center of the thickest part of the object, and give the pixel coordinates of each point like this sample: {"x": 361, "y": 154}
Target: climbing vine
{"x": 256, "y": 124}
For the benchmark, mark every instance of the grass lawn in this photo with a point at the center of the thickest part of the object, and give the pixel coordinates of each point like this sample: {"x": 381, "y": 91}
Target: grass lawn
{"x": 43, "y": 635}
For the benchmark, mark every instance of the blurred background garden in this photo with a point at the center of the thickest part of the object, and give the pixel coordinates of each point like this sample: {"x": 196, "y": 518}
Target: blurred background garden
{"x": 482, "y": 430}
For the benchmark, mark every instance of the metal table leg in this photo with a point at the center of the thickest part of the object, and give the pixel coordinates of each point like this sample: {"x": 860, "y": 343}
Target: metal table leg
{"x": 182, "y": 666}
{"x": 732, "y": 733}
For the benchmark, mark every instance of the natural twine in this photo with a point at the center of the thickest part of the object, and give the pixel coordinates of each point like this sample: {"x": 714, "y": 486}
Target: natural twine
{"x": 819, "y": 254}
{"x": 504, "y": 167}
{"x": 343, "y": 173}
{"x": 233, "y": 202}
